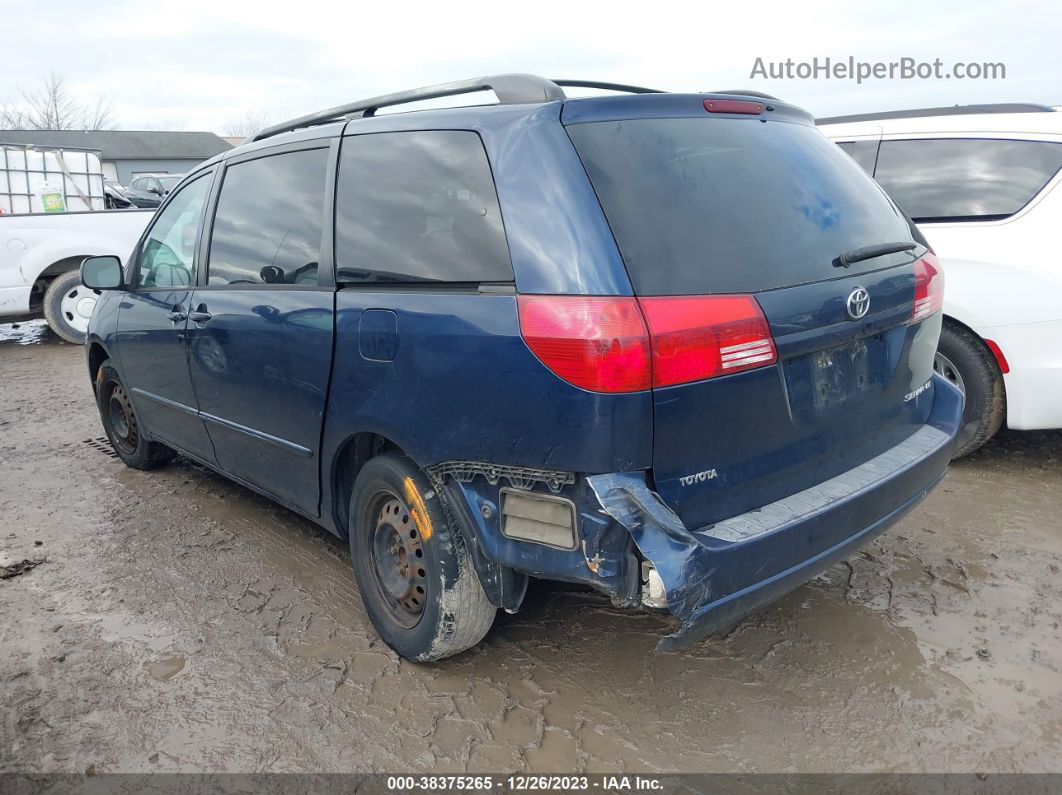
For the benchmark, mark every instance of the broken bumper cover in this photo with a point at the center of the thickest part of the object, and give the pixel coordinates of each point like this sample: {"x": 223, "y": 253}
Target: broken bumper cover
{"x": 715, "y": 575}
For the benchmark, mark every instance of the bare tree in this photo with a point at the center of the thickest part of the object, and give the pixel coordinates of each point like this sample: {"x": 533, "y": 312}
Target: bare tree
{"x": 12, "y": 117}
{"x": 100, "y": 115}
{"x": 52, "y": 107}
{"x": 250, "y": 123}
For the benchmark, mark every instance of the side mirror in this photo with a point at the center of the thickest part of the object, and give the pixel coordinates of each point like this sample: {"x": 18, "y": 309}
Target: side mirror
{"x": 101, "y": 273}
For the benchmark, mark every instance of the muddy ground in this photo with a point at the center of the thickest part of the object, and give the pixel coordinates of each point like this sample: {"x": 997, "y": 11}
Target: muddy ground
{"x": 178, "y": 622}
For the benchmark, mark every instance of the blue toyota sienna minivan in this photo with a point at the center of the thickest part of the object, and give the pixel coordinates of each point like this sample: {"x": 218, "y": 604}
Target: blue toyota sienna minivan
{"x": 676, "y": 347}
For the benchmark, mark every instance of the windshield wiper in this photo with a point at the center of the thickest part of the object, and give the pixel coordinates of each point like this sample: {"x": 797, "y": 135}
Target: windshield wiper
{"x": 869, "y": 252}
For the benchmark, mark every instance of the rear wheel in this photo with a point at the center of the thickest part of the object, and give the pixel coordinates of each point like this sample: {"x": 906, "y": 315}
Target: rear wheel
{"x": 965, "y": 361}
{"x": 68, "y": 305}
{"x": 122, "y": 426}
{"x": 416, "y": 578}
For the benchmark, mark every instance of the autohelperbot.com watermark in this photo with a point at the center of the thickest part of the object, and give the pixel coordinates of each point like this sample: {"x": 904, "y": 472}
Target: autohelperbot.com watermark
{"x": 851, "y": 68}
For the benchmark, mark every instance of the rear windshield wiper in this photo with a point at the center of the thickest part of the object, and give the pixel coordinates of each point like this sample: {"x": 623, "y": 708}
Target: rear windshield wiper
{"x": 869, "y": 252}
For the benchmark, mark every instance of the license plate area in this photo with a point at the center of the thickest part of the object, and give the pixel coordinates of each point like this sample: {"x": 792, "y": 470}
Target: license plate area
{"x": 844, "y": 375}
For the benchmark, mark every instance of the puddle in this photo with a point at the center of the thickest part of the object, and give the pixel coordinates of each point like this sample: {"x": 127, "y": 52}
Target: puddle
{"x": 30, "y": 332}
{"x": 164, "y": 670}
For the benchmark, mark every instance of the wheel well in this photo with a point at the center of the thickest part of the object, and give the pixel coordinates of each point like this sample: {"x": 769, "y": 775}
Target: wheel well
{"x": 356, "y": 452}
{"x": 96, "y": 357}
{"x": 62, "y": 266}
{"x": 960, "y": 324}
{"x": 991, "y": 353}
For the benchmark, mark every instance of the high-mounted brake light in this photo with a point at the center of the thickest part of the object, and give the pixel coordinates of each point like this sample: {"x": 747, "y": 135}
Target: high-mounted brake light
{"x": 598, "y": 344}
{"x": 929, "y": 288}
{"x": 605, "y": 345}
{"x": 698, "y": 337}
{"x": 733, "y": 106}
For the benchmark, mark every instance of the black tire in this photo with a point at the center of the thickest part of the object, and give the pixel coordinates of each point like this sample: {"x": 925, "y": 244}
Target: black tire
{"x": 416, "y": 578}
{"x": 63, "y": 286}
{"x": 121, "y": 424}
{"x": 967, "y": 362}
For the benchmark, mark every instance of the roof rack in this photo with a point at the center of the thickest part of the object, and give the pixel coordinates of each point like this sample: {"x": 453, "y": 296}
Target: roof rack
{"x": 510, "y": 89}
{"x": 951, "y": 110}
{"x": 607, "y": 86}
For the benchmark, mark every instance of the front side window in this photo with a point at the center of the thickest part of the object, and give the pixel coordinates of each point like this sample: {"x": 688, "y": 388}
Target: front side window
{"x": 267, "y": 228}
{"x": 167, "y": 255}
{"x": 418, "y": 207}
{"x": 956, "y": 179}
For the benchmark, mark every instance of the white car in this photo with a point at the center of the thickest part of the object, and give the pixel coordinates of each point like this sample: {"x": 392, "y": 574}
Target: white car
{"x": 40, "y": 258}
{"x": 982, "y": 183}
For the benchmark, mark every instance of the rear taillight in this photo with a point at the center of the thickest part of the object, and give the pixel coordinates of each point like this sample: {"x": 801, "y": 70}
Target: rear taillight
{"x": 698, "y": 337}
{"x": 605, "y": 345}
{"x": 599, "y": 344}
{"x": 929, "y": 288}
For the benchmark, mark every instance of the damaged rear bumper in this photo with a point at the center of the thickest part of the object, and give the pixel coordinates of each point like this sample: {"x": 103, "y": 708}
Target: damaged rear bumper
{"x": 715, "y": 575}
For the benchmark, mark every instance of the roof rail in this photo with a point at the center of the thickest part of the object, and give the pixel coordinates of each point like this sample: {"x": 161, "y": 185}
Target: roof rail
{"x": 510, "y": 89}
{"x": 951, "y": 110}
{"x": 607, "y": 86}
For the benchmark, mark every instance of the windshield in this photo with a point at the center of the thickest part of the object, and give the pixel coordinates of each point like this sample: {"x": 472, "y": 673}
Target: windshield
{"x": 713, "y": 205}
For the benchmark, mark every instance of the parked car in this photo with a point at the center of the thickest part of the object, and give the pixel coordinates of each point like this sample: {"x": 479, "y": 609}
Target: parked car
{"x": 148, "y": 190}
{"x": 677, "y": 347}
{"x": 982, "y": 182}
{"x": 40, "y": 254}
{"x": 116, "y": 196}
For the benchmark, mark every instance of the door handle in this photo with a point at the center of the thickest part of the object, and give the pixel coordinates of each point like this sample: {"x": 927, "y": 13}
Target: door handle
{"x": 177, "y": 315}
{"x": 200, "y": 315}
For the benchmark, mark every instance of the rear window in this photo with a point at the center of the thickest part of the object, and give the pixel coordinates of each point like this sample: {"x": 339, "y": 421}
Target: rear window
{"x": 703, "y": 206}
{"x": 965, "y": 179}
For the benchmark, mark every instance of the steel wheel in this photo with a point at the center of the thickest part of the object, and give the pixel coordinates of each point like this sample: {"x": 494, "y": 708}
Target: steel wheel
{"x": 125, "y": 432}
{"x": 76, "y": 306}
{"x": 946, "y": 367}
{"x": 397, "y": 559}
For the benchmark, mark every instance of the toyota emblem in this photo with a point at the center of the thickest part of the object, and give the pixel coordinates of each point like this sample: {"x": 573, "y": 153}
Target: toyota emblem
{"x": 858, "y": 303}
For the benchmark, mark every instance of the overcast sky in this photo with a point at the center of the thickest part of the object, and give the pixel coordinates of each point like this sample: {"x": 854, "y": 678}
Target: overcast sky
{"x": 199, "y": 65}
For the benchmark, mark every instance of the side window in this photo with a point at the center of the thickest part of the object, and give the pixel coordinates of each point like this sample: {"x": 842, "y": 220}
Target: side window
{"x": 418, "y": 206}
{"x": 863, "y": 152}
{"x": 138, "y": 184}
{"x": 965, "y": 179}
{"x": 167, "y": 255}
{"x": 267, "y": 228}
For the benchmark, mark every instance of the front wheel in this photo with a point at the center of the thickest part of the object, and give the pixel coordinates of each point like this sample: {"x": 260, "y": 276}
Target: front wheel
{"x": 68, "y": 305}
{"x": 965, "y": 360}
{"x": 416, "y": 578}
{"x": 122, "y": 426}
